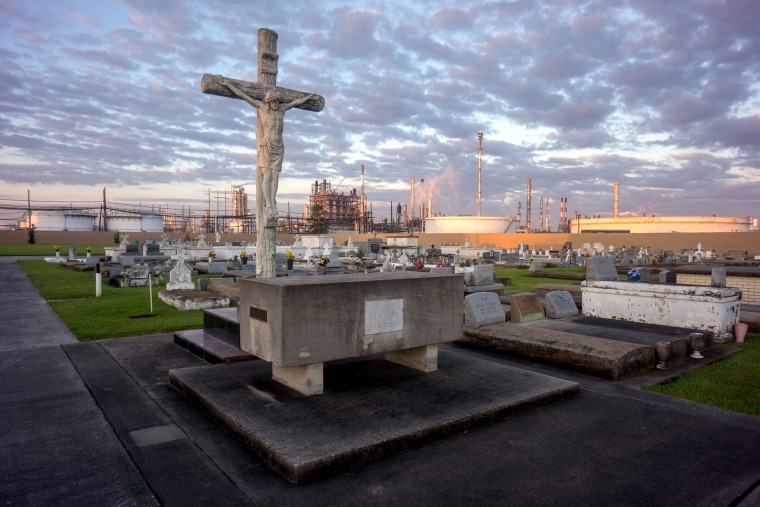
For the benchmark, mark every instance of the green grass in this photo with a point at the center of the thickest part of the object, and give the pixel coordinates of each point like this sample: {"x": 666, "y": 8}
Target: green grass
{"x": 49, "y": 250}
{"x": 732, "y": 383}
{"x": 71, "y": 295}
{"x": 522, "y": 282}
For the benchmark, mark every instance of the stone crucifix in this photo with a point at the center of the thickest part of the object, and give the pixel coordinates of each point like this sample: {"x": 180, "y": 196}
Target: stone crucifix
{"x": 271, "y": 102}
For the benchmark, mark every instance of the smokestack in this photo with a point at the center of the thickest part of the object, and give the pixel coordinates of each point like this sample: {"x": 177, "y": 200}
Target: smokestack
{"x": 527, "y": 207}
{"x": 541, "y": 214}
{"x": 548, "y": 226}
{"x": 480, "y": 156}
{"x": 519, "y": 213}
{"x": 411, "y": 200}
{"x": 617, "y": 199}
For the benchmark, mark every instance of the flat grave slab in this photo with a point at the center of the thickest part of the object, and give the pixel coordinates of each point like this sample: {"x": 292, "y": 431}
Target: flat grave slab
{"x": 370, "y": 409}
{"x": 595, "y": 356}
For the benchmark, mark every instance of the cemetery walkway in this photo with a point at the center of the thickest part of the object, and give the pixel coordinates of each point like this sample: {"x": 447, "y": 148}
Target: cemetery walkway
{"x": 98, "y": 424}
{"x": 56, "y": 446}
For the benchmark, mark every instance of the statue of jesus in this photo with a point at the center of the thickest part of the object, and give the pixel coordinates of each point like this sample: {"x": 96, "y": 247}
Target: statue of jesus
{"x": 270, "y": 150}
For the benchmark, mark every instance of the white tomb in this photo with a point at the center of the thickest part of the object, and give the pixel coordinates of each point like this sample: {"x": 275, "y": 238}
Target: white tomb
{"x": 712, "y": 309}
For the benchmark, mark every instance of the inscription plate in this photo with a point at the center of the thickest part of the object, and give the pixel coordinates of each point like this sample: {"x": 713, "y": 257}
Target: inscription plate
{"x": 258, "y": 314}
{"x": 383, "y": 316}
{"x": 526, "y": 307}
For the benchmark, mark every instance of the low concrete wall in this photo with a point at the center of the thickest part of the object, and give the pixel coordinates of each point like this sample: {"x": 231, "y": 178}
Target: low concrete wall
{"x": 750, "y": 287}
{"x": 710, "y": 309}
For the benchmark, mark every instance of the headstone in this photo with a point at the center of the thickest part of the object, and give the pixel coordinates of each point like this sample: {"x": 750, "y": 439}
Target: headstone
{"x": 483, "y": 308}
{"x": 449, "y": 270}
{"x": 560, "y": 304}
{"x": 180, "y": 277}
{"x": 667, "y": 276}
{"x": 600, "y": 268}
{"x": 127, "y": 261}
{"x": 526, "y": 307}
{"x": 203, "y": 283}
{"x": 645, "y": 274}
{"x": 72, "y": 253}
{"x": 482, "y": 274}
{"x": 403, "y": 258}
{"x": 138, "y": 275}
{"x": 718, "y": 277}
{"x": 536, "y": 267}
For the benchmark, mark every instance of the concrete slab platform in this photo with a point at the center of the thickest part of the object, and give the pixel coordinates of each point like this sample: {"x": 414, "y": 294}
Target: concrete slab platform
{"x": 371, "y": 408}
{"x": 595, "y": 356}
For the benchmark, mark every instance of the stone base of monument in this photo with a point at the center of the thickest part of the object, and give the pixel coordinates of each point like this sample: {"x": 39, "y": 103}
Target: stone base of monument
{"x": 191, "y": 299}
{"x": 371, "y": 408}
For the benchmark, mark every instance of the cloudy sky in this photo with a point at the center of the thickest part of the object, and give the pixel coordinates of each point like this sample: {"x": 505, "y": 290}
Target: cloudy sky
{"x": 662, "y": 96}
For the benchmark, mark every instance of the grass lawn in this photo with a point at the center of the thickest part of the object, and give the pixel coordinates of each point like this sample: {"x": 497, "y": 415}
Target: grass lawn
{"x": 49, "y": 250}
{"x": 522, "y": 282}
{"x": 71, "y": 295}
{"x": 733, "y": 383}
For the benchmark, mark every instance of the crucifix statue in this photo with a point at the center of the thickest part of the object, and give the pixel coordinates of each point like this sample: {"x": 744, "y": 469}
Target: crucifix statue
{"x": 271, "y": 102}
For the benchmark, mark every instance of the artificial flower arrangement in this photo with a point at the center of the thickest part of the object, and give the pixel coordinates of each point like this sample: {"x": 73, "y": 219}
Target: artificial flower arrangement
{"x": 57, "y": 249}
{"x": 289, "y": 254}
{"x": 211, "y": 254}
{"x": 322, "y": 263}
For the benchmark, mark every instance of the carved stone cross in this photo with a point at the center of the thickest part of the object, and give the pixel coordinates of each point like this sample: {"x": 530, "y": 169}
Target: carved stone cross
{"x": 270, "y": 149}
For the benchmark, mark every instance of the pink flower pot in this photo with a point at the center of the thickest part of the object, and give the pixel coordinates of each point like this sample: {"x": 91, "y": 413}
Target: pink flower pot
{"x": 740, "y": 331}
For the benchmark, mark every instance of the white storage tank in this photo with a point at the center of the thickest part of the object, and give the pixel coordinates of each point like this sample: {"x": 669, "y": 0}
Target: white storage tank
{"x": 662, "y": 224}
{"x": 63, "y": 220}
{"x": 133, "y": 221}
{"x": 467, "y": 224}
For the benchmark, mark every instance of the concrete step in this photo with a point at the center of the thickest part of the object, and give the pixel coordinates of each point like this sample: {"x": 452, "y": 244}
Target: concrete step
{"x": 209, "y": 348}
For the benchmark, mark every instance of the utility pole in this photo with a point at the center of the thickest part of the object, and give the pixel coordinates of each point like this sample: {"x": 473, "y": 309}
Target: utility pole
{"x": 480, "y": 156}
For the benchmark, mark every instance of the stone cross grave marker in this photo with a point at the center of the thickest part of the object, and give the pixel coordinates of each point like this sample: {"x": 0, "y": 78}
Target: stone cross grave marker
{"x": 560, "y": 304}
{"x": 270, "y": 102}
{"x": 483, "y": 308}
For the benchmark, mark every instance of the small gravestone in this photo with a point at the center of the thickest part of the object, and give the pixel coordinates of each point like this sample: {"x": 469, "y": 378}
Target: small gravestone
{"x": 526, "y": 307}
{"x": 127, "y": 261}
{"x": 536, "y": 267}
{"x": 482, "y": 274}
{"x": 203, "y": 283}
{"x": 180, "y": 277}
{"x": 600, "y": 268}
{"x": 483, "y": 308}
{"x": 645, "y": 274}
{"x": 138, "y": 275}
{"x": 90, "y": 262}
{"x": 72, "y": 253}
{"x": 667, "y": 276}
{"x": 448, "y": 270}
{"x": 560, "y": 304}
{"x": 626, "y": 261}
{"x": 718, "y": 277}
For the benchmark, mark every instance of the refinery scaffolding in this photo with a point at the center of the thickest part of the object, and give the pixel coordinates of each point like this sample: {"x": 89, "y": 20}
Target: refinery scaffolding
{"x": 344, "y": 210}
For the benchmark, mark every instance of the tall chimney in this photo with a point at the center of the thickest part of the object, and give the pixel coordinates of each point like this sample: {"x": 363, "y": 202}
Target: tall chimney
{"x": 480, "y": 156}
{"x": 411, "y": 200}
{"x": 541, "y": 214}
{"x": 527, "y": 208}
{"x": 548, "y": 225}
{"x": 617, "y": 199}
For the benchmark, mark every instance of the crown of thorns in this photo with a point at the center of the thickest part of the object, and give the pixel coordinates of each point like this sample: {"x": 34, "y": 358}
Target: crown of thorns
{"x": 271, "y": 95}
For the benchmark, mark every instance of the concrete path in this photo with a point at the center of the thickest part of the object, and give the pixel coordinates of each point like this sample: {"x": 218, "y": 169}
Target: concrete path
{"x": 98, "y": 424}
{"x": 56, "y": 447}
